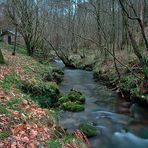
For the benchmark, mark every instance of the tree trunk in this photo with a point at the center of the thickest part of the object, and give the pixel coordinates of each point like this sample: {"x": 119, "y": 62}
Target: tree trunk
{"x": 133, "y": 41}
{"x": 113, "y": 38}
{"x": 14, "y": 49}
{"x": 30, "y": 49}
{"x": 1, "y": 57}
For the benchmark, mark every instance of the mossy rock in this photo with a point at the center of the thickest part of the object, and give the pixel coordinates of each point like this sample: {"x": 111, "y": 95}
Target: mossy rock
{"x": 75, "y": 95}
{"x": 73, "y": 101}
{"x": 64, "y": 99}
{"x": 88, "y": 130}
{"x": 73, "y": 106}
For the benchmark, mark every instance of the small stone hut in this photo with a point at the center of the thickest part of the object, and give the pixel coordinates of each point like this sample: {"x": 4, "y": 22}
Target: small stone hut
{"x": 9, "y": 37}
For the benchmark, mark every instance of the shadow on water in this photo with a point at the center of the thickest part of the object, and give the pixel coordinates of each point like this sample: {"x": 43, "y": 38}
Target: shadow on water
{"x": 105, "y": 111}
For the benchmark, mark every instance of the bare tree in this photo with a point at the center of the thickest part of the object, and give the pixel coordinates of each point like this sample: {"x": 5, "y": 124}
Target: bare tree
{"x": 25, "y": 15}
{"x": 133, "y": 41}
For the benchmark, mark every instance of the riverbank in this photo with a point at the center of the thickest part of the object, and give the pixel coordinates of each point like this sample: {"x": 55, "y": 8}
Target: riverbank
{"x": 128, "y": 81}
{"x": 127, "y": 78}
{"x": 28, "y": 94}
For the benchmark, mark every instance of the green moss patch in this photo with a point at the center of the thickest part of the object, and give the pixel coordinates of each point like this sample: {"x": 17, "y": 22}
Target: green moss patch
{"x": 53, "y": 144}
{"x": 4, "y": 134}
{"x": 46, "y": 94}
{"x": 74, "y": 96}
{"x": 73, "y": 106}
{"x": 3, "y": 110}
{"x": 88, "y": 130}
{"x": 9, "y": 80}
{"x": 73, "y": 101}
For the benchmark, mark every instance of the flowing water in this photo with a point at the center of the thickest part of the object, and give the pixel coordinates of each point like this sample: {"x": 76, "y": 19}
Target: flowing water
{"x": 119, "y": 123}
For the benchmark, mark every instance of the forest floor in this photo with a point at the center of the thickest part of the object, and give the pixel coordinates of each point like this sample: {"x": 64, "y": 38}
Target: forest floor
{"x": 23, "y": 122}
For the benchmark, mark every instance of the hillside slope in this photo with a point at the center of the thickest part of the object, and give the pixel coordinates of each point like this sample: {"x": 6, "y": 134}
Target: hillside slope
{"x": 23, "y": 123}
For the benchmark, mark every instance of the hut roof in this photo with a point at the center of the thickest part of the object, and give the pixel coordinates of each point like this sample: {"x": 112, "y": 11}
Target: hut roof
{"x": 8, "y": 32}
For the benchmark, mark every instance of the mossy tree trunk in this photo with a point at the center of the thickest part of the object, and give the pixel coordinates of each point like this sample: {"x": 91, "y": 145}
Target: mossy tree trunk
{"x": 1, "y": 57}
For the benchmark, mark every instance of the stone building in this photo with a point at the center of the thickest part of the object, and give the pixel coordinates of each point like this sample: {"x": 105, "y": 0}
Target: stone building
{"x": 8, "y": 37}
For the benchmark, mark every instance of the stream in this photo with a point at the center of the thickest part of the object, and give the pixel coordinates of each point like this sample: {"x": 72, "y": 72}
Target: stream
{"x": 119, "y": 123}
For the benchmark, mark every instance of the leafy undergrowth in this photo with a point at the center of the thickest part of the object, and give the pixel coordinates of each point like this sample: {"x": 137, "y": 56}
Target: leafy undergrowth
{"x": 23, "y": 121}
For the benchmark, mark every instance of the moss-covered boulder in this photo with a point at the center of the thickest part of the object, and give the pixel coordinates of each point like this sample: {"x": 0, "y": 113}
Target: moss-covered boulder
{"x": 75, "y": 95}
{"x": 73, "y": 101}
{"x": 88, "y": 130}
{"x": 73, "y": 106}
{"x": 63, "y": 99}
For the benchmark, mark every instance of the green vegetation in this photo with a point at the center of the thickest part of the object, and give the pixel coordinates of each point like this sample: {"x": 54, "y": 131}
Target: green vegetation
{"x": 82, "y": 59}
{"x": 133, "y": 78}
{"x": 88, "y": 130}
{"x": 9, "y": 80}
{"x": 27, "y": 87}
{"x": 74, "y": 96}
{"x": 65, "y": 138}
{"x": 3, "y": 110}
{"x": 16, "y": 100}
{"x": 73, "y": 106}
{"x": 73, "y": 101}
{"x": 53, "y": 75}
{"x": 131, "y": 84}
{"x": 21, "y": 50}
{"x": 4, "y": 134}
{"x": 46, "y": 94}
{"x": 45, "y": 73}
{"x": 53, "y": 144}
{"x": 145, "y": 70}
{"x": 15, "y": 104}
{"x": 109, "y": 37}
{"x": 68, "y": 137}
